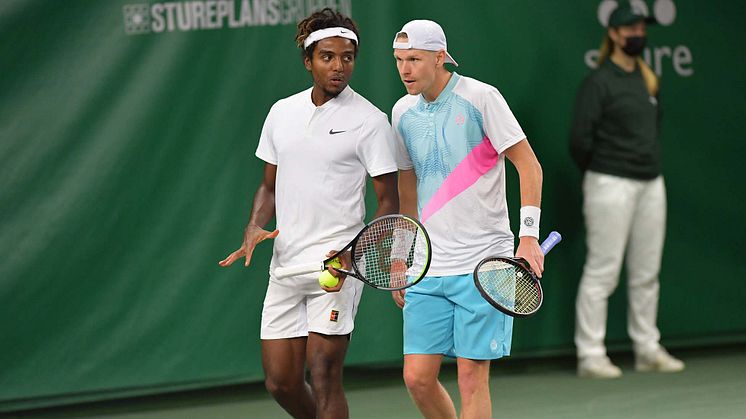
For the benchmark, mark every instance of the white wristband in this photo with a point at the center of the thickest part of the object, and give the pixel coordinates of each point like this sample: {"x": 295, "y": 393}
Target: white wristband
{"x": 530, "y": 217}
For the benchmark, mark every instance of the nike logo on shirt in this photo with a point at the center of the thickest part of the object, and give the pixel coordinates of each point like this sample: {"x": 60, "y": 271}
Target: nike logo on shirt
{"x": 332, "y": 132}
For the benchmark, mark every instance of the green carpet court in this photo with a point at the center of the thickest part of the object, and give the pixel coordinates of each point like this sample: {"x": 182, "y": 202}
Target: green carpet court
{"x": 713, "y": 385}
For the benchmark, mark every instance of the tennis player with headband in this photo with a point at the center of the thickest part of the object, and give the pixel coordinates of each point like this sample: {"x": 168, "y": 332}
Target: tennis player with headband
{"x": 319, "y": 146}
{"x": 453, "y": 134}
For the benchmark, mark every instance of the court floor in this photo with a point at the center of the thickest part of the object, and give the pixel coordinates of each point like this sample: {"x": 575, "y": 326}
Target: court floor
{"x": 713, "y": 385}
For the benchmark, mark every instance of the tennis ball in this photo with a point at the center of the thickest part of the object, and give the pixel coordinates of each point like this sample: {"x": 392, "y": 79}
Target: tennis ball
{"x": 335, "y": 263}
{"x": 326, "y": 279}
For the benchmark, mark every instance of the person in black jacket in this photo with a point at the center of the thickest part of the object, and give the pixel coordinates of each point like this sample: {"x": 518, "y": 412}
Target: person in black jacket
{"x": 614, "y": 141}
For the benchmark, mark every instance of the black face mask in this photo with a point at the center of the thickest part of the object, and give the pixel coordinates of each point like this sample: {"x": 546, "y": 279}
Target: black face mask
{"x": 634, "y": 45}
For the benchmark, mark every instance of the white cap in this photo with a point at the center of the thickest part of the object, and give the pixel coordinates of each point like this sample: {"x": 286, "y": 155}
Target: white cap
{"x": 426, "y": 35}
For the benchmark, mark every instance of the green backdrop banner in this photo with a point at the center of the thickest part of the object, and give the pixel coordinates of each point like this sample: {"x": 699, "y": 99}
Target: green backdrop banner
{"x": 127, "y": 133}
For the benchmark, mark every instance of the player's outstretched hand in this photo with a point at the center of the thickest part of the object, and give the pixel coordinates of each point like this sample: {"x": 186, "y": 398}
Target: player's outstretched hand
{"x": 252, "y": 236}
{"x": 529, "y": 250}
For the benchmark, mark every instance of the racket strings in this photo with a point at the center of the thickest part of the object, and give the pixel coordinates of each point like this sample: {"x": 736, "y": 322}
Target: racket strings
{"x": 389, "y": 252}
{"x": 509, "y": 286}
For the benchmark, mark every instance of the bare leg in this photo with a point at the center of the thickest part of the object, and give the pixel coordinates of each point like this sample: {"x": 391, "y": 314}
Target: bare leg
{"x": 474, "y": 386}
{"x": 421, "y": 378}
{"x": 325, "y": 356}
{"x": 283, "y": 361}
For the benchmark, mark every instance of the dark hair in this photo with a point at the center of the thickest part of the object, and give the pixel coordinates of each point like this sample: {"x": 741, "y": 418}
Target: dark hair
{"x": 326, "y": 18}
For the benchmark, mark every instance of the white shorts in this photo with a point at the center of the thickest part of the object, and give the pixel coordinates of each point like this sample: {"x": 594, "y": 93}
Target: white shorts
{"x": 295, "y": 306}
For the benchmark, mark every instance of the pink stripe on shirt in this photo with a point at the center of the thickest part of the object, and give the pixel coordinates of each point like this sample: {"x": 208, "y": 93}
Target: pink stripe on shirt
{"x": 479, "y": 161}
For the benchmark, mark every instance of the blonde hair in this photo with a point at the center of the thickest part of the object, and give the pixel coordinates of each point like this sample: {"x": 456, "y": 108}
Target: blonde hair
{"x": 648, "y": 76}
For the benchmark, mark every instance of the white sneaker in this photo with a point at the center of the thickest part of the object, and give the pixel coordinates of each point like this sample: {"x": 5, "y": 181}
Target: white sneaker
{"x": 658, "y": 361}
{"x": 598, "y": 367}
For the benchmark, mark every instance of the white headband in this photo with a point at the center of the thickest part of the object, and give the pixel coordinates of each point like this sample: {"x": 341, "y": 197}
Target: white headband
{"x": 328, "y": 33}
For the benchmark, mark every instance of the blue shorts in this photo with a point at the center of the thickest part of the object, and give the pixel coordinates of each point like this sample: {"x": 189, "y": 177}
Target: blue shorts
{"x": 447, "y": 315}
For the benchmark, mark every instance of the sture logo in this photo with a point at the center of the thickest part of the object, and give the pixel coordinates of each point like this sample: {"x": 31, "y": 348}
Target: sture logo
{"x": 664, "y": 12}
{"x": 184, "y": 16}
{"x": 136, "y": 18}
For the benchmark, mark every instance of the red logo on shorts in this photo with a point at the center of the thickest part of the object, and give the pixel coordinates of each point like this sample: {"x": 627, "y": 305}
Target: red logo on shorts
{"x": 334, "y": 316}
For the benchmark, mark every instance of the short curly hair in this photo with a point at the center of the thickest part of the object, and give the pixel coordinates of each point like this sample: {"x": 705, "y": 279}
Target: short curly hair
{"x": 326, "y": 18}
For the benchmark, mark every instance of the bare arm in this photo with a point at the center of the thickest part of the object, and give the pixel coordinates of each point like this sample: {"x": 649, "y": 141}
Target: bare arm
{"x": 529, "y": 170}
{"x": 407, "y": 206}
{"x": 386, "y": 194}
{"x": 408, "y": 193}
{"x": 262, "y": 211}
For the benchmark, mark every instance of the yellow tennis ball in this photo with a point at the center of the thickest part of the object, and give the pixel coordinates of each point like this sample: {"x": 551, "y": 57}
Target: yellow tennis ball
{"x": 335, "y": 263}
{"x": 326, "y": 279}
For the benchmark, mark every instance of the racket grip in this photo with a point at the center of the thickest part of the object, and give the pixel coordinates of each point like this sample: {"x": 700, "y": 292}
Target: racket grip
{"x": 551, "y": 241}
{"x": 284, "y": 272}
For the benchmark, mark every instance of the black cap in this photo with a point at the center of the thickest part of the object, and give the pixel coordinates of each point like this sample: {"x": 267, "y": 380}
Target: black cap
{"x": 627, "y": 13}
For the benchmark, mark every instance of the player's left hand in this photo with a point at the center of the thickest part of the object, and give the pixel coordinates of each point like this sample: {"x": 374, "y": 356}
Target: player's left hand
{"x": 530, "y": 250}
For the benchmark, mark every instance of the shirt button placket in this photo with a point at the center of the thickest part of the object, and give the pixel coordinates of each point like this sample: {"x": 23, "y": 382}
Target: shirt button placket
{"x": 310, "y": 124}
{"x": 431, "y": 124}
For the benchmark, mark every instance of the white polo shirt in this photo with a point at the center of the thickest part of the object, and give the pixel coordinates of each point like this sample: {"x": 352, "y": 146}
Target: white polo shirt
{"x": 323, "y": 156}
{"x": 456, "y": 146}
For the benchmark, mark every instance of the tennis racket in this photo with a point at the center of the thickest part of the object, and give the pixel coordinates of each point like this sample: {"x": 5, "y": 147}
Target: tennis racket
{"x": 509, "y": 284}
{"x": 390, "y": 253}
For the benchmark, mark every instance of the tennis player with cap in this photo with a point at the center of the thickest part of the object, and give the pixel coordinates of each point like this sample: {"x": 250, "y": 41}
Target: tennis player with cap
{"x": 453, "y": 134}
{"x": 318, "y": 146}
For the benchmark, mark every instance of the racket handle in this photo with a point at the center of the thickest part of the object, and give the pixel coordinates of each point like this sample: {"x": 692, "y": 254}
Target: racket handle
{"x": 551, "y": 241}
{"x": 284, "y": 272}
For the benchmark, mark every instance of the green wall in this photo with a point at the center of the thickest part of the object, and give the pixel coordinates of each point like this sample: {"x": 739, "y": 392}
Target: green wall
{"x": 127, "y": 173}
